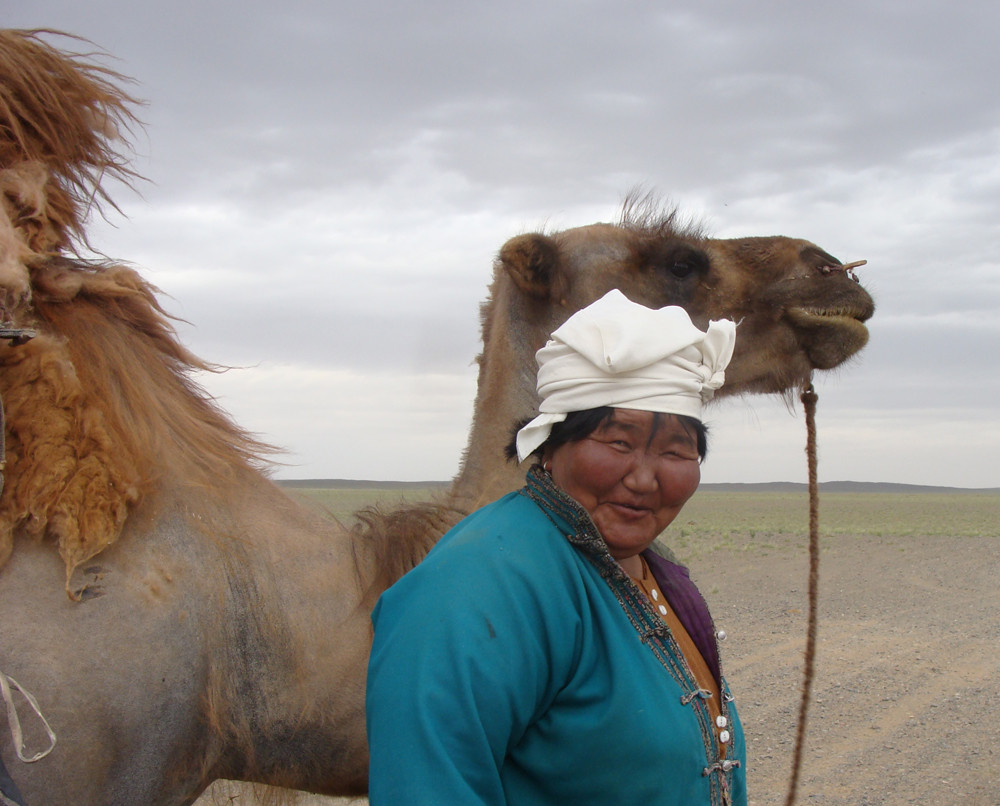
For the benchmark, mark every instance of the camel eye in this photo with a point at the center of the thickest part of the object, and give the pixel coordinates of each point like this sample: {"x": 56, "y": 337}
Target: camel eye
{"x": 683, "y": 262}
{"x": 681, "y": 269}
{"x": 676, "y": 262}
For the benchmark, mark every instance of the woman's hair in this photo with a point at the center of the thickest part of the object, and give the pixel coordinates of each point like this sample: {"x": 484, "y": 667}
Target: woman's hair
{"x": 581, "y": 424}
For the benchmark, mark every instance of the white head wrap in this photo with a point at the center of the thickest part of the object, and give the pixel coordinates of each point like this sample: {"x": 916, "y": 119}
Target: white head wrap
{"x": 618, "y": 353}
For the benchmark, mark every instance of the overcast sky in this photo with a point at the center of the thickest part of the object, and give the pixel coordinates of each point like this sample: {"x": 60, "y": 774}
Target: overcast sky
{"x": 330, "y": 181}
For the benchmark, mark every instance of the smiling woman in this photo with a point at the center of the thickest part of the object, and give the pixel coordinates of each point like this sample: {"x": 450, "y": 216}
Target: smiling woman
{"x": 632, "y": 474}
{"x": 542, "y": 632}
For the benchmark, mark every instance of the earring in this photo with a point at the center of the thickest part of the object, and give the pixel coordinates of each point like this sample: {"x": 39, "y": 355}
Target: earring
{"x": 547, "y": 467}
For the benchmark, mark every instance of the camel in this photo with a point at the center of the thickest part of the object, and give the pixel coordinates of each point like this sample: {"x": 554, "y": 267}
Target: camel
{"x": 215, "y": 627}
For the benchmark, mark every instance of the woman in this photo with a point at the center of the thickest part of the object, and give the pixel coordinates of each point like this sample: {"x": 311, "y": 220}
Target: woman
{"x": 542, "y": 653}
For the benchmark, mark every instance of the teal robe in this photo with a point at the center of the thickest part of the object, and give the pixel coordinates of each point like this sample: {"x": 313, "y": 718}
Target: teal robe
{"x": 518, "y": 664}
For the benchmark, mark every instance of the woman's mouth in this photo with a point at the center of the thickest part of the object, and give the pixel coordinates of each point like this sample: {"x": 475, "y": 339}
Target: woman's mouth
{"x": 630, "y": 510}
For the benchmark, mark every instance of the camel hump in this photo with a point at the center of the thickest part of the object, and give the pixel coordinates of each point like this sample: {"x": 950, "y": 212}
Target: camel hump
{"x": 65, "y": 127}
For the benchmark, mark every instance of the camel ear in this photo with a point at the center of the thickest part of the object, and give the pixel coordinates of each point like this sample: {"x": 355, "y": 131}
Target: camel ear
{"x": 531, "y": 261}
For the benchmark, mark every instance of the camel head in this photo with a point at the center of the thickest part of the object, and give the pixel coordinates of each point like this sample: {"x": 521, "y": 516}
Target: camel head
{"x": 798, "y": 309}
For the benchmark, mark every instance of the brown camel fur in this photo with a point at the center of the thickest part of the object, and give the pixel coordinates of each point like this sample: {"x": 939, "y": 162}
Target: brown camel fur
{"x": 218, "y": 629}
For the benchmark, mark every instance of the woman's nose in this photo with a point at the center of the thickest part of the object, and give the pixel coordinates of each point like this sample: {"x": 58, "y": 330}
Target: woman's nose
{"x": 641, "y": 476}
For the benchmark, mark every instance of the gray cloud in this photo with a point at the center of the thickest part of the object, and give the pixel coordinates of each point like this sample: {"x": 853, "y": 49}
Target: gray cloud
{"x": 330, "y": 182}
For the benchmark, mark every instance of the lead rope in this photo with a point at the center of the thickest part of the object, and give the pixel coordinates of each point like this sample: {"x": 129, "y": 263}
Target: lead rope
{"x": 809, "y": 398}
{"x": 6, "y": 686}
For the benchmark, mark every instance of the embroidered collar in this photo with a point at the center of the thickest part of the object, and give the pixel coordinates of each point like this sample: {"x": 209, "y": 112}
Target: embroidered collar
{"x": 577, "y": 525}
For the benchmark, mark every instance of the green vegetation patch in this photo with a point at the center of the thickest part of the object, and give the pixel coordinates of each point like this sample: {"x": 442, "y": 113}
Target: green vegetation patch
{"x": 717, "y": 514}
{"x": 713, "y": 518}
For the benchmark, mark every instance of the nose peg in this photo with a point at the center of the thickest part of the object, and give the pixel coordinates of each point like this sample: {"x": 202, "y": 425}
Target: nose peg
{"x": 846, "y": 268}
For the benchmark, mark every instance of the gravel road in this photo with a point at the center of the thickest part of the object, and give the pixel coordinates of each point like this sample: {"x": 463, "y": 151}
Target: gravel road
{"x": 904, "y": 706}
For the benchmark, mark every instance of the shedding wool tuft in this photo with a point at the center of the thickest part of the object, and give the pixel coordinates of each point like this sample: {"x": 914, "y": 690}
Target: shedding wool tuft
{"x": 64, "y": 479}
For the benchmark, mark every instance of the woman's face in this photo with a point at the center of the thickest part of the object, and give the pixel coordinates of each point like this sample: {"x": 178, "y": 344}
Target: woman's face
{"x": 633, "y": 478}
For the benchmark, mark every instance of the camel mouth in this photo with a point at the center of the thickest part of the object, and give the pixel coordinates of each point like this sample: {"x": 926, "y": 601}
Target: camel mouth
{"x": 828, "y": 317}
{"x": 830, "y": 336}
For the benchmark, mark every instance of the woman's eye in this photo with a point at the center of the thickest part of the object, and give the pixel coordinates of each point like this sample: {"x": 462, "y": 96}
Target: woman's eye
{"x": 679, "y": 454}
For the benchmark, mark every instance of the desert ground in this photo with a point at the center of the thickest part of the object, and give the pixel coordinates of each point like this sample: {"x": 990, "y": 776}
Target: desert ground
{"x": 905, "y": 706}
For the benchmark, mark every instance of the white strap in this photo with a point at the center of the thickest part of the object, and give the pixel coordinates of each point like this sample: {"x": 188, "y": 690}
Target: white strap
{"x": 6, "y": 683}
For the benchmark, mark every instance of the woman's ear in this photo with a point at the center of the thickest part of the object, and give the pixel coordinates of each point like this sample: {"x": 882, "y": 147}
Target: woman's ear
{"x": 547, "y": 460}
